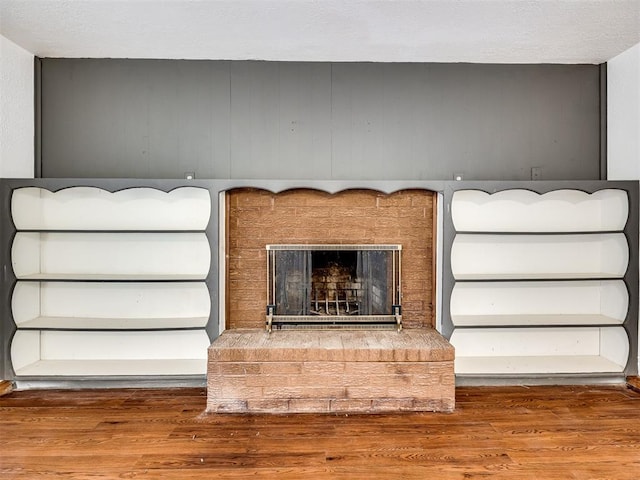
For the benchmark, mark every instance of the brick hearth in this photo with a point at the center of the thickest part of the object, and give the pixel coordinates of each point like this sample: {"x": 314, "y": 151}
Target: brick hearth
{"x": 330, "y": 371}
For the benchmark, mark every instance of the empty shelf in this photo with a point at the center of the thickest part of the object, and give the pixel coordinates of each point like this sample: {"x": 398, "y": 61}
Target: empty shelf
{"x": 533, "y": 320}
{"x": 79, "y": 323}
{"x": 532, "y": 365}
{"x": 520, "y": 210}
{"x": 91, "y": 208}
{"x": 120, "y": 367}
{"x": 485, "y": 256}
{"x": 103, "y": 277}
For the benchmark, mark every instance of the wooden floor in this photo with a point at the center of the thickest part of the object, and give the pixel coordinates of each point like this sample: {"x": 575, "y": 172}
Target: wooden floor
{"x": 541, "y": 433}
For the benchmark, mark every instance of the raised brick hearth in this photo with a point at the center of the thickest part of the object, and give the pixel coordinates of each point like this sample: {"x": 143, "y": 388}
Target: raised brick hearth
{"x": 330, "y": 371}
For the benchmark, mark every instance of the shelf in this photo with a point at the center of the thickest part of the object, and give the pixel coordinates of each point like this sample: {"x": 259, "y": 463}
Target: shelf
{"x": 504, "y": 257}
{"x": 90, "y": 208}
{"x": 104, "y": 256}
{"x": 536, "y": 365}
{"x": 525, "y": 276}
{"x": 493, "y": 350}
{"x": 110, "y": 277}
{"x": 533, "y": 320}
{"x": 119, "y": 323}
{"x": 538, "y": 282}
{"x": 110, "y": 284}
{"x": 521, "y": 210}
{"x": 120, "y": 368}
{"x": 539, "y": 303}
{"x": 91, "y": 352}
{"x": 72, "y": 305}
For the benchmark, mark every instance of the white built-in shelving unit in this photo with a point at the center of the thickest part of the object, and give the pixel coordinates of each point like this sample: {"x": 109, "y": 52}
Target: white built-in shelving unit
{"x": 110, "y": 284}
{"x": 538, "y": 282}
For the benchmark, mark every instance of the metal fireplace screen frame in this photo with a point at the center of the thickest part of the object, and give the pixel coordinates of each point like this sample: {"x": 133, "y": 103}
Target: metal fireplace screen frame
{"x": 358, "y": 303}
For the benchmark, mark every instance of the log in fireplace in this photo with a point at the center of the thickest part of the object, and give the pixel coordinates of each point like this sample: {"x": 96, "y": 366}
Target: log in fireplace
{"x": 334, "y": 287}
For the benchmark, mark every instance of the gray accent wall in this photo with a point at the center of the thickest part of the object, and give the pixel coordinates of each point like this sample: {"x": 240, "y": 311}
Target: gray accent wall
{"x": 331, "y": 121}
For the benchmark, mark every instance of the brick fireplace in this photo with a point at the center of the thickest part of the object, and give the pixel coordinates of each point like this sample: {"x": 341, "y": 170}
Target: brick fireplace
{"x": 256, "y": 218}
{"x": 363, "y": 370}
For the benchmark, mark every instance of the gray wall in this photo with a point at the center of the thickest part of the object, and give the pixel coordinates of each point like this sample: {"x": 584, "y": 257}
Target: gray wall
{"x": 222, "y": 119}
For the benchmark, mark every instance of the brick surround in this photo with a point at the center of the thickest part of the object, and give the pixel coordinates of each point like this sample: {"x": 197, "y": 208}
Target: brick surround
{"x": 364, "y": 371}
{"x": 256, "y": 218}
{"x": 330, "y": 371}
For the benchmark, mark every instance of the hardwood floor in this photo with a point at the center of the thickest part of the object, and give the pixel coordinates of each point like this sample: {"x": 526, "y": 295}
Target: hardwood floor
{"x": 542, "y": 433}
{"x": 5, "y": 387}
{"x": 634, "y": 383}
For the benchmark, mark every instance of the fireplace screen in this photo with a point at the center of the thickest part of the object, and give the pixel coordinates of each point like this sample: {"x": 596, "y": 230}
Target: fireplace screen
{"x": 333, "y": 286}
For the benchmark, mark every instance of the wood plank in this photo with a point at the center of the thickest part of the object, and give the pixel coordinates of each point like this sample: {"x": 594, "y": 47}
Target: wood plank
{"x": 5, "y": 387}
{"x": 634, "y": 383}
{"x": 555, "y": 433}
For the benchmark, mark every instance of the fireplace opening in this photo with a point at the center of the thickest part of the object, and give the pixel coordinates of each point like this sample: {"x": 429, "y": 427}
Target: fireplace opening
{"x": 333, "y": 286}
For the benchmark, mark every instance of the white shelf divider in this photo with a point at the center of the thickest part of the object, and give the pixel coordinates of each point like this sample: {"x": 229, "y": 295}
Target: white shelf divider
{"x": 115, "y": 323}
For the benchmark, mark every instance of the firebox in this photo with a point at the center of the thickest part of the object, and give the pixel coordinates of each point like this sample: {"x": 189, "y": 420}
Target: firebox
{"x": 334, "y": 287}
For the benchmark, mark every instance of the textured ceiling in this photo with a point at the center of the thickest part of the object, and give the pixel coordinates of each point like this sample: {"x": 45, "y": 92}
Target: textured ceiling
{"x": 478, "y": 31}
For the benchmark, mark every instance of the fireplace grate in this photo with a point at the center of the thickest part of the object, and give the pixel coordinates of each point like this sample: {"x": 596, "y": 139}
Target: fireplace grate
{"x": 337, "y": 326}
{"x": 335, "y": 322}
